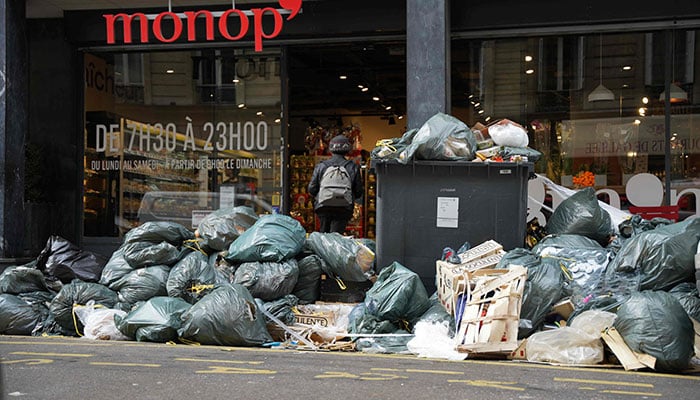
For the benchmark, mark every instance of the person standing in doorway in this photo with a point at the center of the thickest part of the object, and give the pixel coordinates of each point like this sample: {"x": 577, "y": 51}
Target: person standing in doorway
{"x": 336, "y": 184}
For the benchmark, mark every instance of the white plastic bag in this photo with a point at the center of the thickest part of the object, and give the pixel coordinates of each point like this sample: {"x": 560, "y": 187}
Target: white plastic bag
{"x": 432, "y": 340}
{"x": 99, "y": 322}
{"x": 507, "y": 133}
{"x": 579, "y": 343}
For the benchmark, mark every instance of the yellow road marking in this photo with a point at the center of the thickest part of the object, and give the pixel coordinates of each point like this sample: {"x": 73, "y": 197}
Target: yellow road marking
{"x": 586, "y": 388}
{"x": 220, "y": 361}
{"x": 631, "y": 393}
{"x": 365, "y": 376}
{"x": 386, "y": 369}
{"x": 430, "y": 371}
{"x": 491, "y": 384}
{"x": 233, "y": 370}
{"x": 27, "y": 353}
{"x": 598, "y": 382}
{"x": 29, "y": 361}
{"x": 116, "y": 364}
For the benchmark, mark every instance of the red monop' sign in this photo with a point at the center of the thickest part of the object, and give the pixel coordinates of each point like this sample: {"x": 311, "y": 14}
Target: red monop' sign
{"x": 190, "y": 16}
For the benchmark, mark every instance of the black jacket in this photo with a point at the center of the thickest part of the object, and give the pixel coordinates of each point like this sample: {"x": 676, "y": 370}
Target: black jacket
{"x": 355, "y": 176}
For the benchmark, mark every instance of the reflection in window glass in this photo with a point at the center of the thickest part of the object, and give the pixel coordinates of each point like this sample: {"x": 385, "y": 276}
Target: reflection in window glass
{"x": 172, "y": 136}
{"x": 547, "y": 85}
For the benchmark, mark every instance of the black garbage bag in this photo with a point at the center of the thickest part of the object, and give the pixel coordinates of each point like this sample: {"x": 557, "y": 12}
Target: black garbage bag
{"x": 280, "y": 308}
{"x": 508, "y": 151}
{"x": 18, "y": 317}
{"x": 273, "y": 237}
{"x": 220, "y": 228}
{"x": 155, "y": 320}
{"x": 687, "y": 294}
{"x": 654, "y": 323}
{"x": 662, "y": 257}
{"x": 62, "y": 260}
{"x": 582, "y": 260}
{"x": 343, "y": 257}
{"x": 142, "y": 284}
{"x": 581, "y": 214}
{"x": 146, "y": 254}
{"x": 77, "y": 292}
{"x": 22, "y": 279}
{"x": 442, "y": 137}
{"x": 268, "y": 280}
{"x": 308, "y": 287}
{"x": 519, "y": 256}
{"x": 159, "y": 231}
{"x": 397, "y": 295}
{"x": 193, "y": 277}
{"x": 116, "y": 268}
{"x": 227, "y": 316}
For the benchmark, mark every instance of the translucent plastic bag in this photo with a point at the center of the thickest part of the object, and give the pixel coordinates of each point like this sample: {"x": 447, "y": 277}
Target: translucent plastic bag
{"x": 508, "y": 133}
{"x": 99, "y": 322}
{"x": 343, "y": 257}
{"x": 579, "y": 343}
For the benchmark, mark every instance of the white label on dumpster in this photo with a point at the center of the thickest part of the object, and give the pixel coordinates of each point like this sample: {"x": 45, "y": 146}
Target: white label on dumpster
{"x": 447, "y": 212}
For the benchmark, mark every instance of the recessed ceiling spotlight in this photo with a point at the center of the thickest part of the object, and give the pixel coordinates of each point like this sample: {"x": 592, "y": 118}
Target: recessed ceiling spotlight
{"x": 481, "y": 111}
{"x": 528, "y": 58}
{"x": 241, "y": 105}
{"x": 626, "y": 67}
{"x": 278, "y": 120}
{"x": 236, "y": 80}
{"x": 387, "y": 108}
{"x": 169, "y": 71}
{"x": 637, "y": 122}
{"x": 400, "y": 116}
{"x": 343, "y": 77}
{"x": 364, "y": 89}
{"x": 530, "y": 71}
{"x": 360, "y": 86}
{"x": 259, "y": 113}
{"x": 487, "y": 119}
{"x": 375, "y": 98}
{"x": 645, "y": 100}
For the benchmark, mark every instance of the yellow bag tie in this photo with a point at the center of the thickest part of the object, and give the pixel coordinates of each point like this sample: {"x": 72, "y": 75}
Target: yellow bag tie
{"x": 197, "y": 289}
{"x": 195, "y": 245}
{"x": 386, "y": 143}
{"x": 340, "y": 282}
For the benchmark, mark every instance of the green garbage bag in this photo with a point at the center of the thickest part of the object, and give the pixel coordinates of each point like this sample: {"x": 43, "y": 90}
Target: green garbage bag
{"x": 361, "y": 320}
{"x": 273, "y": 237}
{"x": 343, "y": 257}
{"x": 22, "y": 279}
{"x": 655, "y": 323}
{"x": 155, "y": 320}
{"x": 687, "y": 294}
{"x": 142, "y": 284}
{"x": 146, "y": 254}
{"x": 78, "y": 292}
{"x": 227, "y": 316}
{"x": 193, "y": 277}
{"x": 397, "y": 295}
{"x": 268, "y": 280}
{"x": 220, "y": 228}
{"x": 17, "y": 317}
{"x": 116, "y": 268}
{"x": 280, "y": 308}
{"x": 662, "y": 257}
{"x": 580, "y": 214}
{"x": 442, "y": 137}
{"x": 159, "y": 231}
{"x": 308, "y": 287}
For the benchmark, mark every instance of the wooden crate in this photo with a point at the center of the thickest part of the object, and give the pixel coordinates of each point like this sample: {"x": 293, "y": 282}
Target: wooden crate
{"x": 451, "y": 278}
{"x": 489, "y": 311}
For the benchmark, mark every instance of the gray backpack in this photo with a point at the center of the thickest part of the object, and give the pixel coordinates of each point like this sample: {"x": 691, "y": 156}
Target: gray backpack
{"x": 336, "y": 187}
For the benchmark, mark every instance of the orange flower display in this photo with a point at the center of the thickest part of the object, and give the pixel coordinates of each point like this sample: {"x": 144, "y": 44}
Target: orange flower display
{"x": 584, "y": 179}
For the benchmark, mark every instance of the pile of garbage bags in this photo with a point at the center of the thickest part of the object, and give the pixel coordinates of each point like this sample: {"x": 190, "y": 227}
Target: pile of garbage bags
{"x": 223, "y": 284}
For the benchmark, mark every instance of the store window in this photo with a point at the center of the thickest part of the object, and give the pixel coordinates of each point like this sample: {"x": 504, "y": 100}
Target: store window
{"x": 174, "y": 135}
{"x": 552, "y": 86}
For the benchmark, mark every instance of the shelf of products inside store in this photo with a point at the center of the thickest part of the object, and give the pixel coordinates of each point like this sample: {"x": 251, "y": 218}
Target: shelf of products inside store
{"x": 370, "y": 180}
{"x": 302, "y": 207}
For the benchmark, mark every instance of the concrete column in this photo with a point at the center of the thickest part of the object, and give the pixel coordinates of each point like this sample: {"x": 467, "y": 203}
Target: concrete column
{"x": 13, "y": 125}
{"x": 427, "y": 60}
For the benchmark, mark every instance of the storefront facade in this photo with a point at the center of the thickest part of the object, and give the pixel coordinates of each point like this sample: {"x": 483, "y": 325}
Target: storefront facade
{"x": 179, "y": 117}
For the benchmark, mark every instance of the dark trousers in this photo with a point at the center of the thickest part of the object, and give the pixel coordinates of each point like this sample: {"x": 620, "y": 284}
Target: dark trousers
{"x": 333, "y": 223}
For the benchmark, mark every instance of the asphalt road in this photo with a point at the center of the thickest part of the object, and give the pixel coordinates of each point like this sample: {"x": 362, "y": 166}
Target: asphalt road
{"x": 76, "y": 369}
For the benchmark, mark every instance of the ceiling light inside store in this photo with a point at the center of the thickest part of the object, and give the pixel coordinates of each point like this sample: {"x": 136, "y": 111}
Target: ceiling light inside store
{"x": 364, "y": 89}
{"x": 637, "y": 122}
{"x": 375, "y": 98}
{"x": 678, "y": 95}
{"x": 387, "y": 108}
{"x": 360, "y": 86}
{"x": 400, "y": 116}
{"x": 236, "y": 80}
{"x": 277, "y": 121}
{"x": 645, "y": 100}
{"x": 241, "y": 105}
{"x": 530, "y": 71}
{"x": 259, "y": 113}
{"x": 626, "y": 67}
{"x": 481, "y": 111}
{"x": 487, "y": 119}
{"x": 343, "y": 77}
{"x": 169, "y": 71}
{"x": 528, "y": 58}
{"x": 601, "y": 93}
